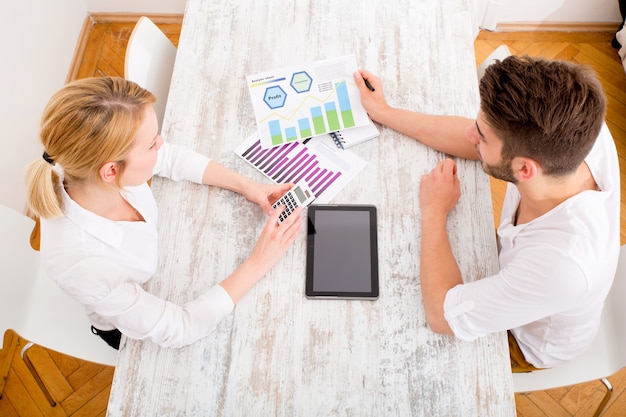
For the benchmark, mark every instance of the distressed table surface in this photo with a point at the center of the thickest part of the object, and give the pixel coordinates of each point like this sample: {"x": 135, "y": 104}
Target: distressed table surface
{"x": 279, "y": 354}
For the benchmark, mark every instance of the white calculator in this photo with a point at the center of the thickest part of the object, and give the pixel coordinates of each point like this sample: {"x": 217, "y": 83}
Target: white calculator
{"x": 299, "y": 195}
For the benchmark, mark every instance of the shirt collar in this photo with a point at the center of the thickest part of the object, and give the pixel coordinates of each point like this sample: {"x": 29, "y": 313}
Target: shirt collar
{"x": 108, "y": 231}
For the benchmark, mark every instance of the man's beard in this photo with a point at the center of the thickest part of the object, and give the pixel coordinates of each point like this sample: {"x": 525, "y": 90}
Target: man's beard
{"x": 502, "y": 171}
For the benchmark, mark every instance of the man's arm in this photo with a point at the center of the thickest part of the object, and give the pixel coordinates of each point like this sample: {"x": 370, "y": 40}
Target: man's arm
{"x": 439, "y": 193}
{"x": 443, "y": 133}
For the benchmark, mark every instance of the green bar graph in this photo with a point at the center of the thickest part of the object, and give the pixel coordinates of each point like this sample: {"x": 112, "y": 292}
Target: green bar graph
{"x": 344, "y": 105}
{"x": 348, "y": 119}
{"x": 275, "y": 132}
{"x": 290, "y": 133}
{"x": 332, "y": 117}
{"x": 318, "y": 120}
{"x": 305, "y": 128}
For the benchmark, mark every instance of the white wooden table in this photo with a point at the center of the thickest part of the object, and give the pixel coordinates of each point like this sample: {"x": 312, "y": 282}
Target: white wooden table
{"x": 280, "y": 354}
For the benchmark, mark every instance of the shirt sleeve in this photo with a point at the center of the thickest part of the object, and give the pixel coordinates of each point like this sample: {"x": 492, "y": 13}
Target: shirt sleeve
{"x": 528, "y": 289}
{"x": 179, "y": 162}
{"x": 100, "y": 286}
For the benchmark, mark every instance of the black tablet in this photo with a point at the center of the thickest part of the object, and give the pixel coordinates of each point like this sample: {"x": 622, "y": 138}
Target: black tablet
{"x": 342, "y": 252}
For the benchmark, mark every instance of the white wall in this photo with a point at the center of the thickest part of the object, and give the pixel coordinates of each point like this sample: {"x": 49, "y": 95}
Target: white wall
{"x": 477, "y": 12}
{"x": 136, "y": 6}
{"x": 39, "y": 41}
{"x": 507, "y": 11}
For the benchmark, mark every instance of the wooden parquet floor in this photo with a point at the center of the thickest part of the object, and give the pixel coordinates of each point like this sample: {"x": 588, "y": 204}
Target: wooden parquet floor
{"x": 73, "y": 387}
{"x": 103, "y": 54}
{"x": 106, "y": 46}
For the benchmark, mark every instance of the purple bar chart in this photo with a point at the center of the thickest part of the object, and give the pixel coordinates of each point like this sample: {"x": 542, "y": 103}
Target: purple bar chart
{"x": 318, "y": 162}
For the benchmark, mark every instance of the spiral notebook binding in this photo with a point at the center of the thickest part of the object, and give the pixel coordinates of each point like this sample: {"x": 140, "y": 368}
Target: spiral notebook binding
{"x": 338, "y": 139}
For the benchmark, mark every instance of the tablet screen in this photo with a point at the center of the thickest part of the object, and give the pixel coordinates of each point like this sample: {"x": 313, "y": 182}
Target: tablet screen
{"x": 342, "y": 252}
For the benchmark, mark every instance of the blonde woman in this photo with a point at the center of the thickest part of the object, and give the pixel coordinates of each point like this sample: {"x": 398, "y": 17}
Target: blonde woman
{"x": 98, "y": 216}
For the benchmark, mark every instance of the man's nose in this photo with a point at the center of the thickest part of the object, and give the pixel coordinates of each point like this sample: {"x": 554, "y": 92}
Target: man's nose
{"x": 472, "y": 135}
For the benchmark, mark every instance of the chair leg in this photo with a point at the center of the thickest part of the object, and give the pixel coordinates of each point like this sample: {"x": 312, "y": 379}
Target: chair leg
{"x": 6, "y": 356}
{"x": 33, "y": 371}
{"x": 607, "y": 396}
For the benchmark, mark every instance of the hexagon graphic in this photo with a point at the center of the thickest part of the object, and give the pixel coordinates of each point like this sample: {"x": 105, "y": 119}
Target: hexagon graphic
{"x": 275, "y": 97}
{"x": 301, "y": 82}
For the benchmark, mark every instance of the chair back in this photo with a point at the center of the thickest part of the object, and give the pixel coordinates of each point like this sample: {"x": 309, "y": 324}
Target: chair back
{"x": 19, "y": 267}
{"x": 498, "y": 54}
{"x": 149, "y": 61}
{"x": 607, "y": 353}
{"x": 33, "y": 305}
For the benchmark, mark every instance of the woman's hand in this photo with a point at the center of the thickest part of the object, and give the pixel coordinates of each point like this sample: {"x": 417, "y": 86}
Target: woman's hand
{"x": 262, "y": 194}
{"x": 266, "y": 194}
{"x": 274, "y": 241}
{"x": 276, "y": 238}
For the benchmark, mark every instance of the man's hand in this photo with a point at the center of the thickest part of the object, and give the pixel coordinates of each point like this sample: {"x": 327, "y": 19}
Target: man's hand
{"x": 440, "y": 190}
{"x": 373, "y": 101}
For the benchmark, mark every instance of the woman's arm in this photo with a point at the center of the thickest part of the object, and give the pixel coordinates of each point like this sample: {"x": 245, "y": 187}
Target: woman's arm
{"x": 264, "y": 195}
{"x": 272, "y": 244}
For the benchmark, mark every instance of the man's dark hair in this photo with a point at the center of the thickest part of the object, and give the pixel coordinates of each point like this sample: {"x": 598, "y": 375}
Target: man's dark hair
{"x": 549, "y": 111}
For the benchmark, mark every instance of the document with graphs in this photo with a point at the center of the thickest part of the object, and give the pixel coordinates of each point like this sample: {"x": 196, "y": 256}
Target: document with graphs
{"x": 326, "y": 168}
{"x": 299, "y": 102}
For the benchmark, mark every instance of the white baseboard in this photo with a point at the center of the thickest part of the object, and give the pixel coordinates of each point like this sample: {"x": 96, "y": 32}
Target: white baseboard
{"x": 557, "y": 27}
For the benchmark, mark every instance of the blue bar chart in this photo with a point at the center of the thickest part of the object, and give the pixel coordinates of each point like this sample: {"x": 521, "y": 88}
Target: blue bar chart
{"x": 301, "y": 102}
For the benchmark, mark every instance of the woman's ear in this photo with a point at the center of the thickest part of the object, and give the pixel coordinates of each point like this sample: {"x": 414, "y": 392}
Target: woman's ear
{"x": 525, "y": 169}
{"x": 108, "y": 172}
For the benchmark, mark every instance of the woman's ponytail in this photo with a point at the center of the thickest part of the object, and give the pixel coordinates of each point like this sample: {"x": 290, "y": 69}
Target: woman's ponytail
{"x": 42, "y": 196}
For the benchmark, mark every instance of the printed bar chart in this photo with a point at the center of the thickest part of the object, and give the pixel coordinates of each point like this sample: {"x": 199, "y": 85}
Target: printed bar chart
{"x": 324, "y": 167}
{"x": 332, "y": 117}
{"x": 276, "y": 132}
{"x": 305, "y": 128}
{"x": 291, "y": 134}
{"x": 291, "y": 164}
{"x": 311, "y": 100}
{"x": 318, "y": 120}
{"x": 344, "y": 105}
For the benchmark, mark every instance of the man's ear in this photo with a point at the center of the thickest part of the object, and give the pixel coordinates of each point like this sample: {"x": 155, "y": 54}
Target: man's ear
{"x": 108, "y": 172}
{"x": 525, "y": 169}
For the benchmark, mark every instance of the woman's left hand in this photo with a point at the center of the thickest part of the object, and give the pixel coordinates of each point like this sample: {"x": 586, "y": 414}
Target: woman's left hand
{"x": 266, "y": 194}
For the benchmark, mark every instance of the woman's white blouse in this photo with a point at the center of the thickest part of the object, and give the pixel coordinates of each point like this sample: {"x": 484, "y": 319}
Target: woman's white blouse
{"x": 103, "y": 264}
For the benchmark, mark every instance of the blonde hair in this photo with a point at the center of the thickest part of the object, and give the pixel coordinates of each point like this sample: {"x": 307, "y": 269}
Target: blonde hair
{"x": 87, "y": 123}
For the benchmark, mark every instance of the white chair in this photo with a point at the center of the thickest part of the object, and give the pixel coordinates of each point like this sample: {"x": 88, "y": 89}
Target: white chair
{"x": 34, "y": 306}
{"x": 498, "y": 54}
{"x": 621, "y": 38}
{"x": 606, "y": 355}
{"x": 149, "y": 61}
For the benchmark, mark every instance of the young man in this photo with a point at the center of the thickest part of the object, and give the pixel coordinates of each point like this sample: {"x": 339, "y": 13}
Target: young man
{"x": 541, "y": 128}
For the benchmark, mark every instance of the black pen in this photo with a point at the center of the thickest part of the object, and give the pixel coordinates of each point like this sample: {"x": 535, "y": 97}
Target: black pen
{"x": 368, "y": 85}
